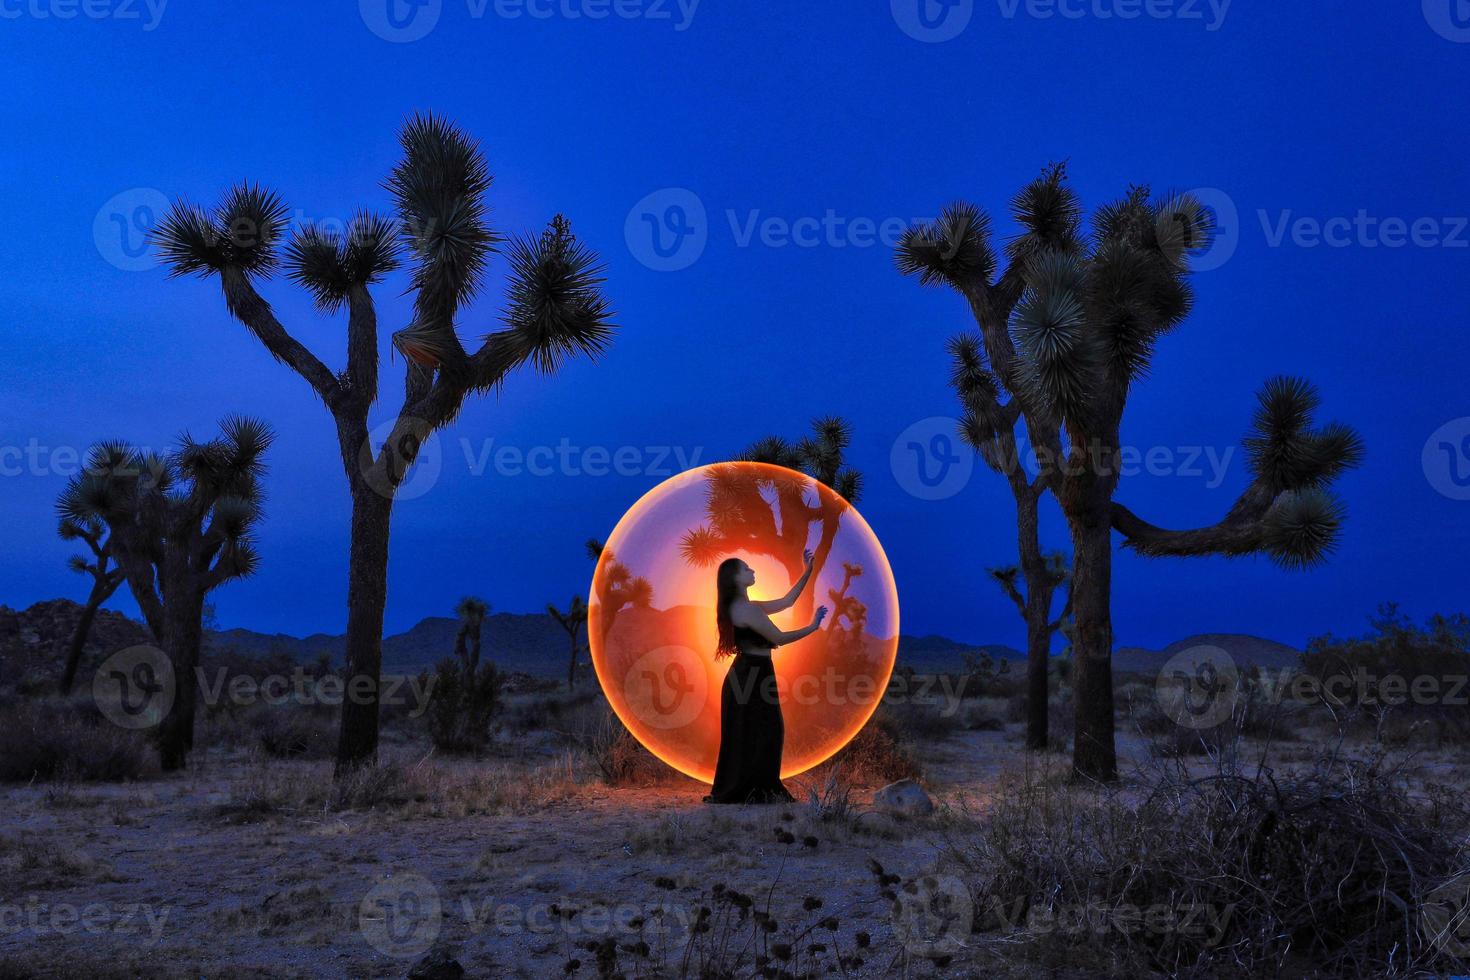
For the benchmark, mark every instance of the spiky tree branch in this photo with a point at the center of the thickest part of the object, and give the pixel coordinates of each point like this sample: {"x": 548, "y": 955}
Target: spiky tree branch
{"x": 1066, "y": 330}
{"x": 440, "y": 231}
{"x": 180, "y": 526}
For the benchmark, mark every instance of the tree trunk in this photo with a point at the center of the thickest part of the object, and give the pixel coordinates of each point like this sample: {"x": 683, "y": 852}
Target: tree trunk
{"x": 183, "y": 613}
{"x": 1039, "y": 590}
{"x": 572, "y": 666}
{"x": 1093, "y": 754}
{"x": 367, "y": 594}
{"x": 79, "y": 636}
{"x": 1038, "y": 662}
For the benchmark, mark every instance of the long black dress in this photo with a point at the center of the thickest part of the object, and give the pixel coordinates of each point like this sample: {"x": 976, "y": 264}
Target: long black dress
{"x": 752, "y": 731}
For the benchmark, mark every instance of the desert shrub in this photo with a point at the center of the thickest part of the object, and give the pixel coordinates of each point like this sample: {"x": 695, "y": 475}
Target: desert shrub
{"x": 293, "y": 732}
{"x": 461, "y": 706}
{"x": 1058, "y": 694}
{"x": 1251, "y": 717}
{"x": 830, "y": 800}
{"x": 731, "y": 934}
{"x": 922, "y": 720}
{"x": 1142, "y": 713}
{"x": 988, "y": 676}
{"x": 1322, "y": 872}
{"x": 1429, "y": 725}
{"x": 1061, "y": 720}
{"x": 986, "y": 715}
{"x": 61, "y": 740}
{"x": 877, "y": 755}
{"x": 571, "y": 714}
{"x": 619, "y": 757}
{"x": 1403, "y": 680}
{"x": 1395, "y": 646}
{"x": 440, "y": 788}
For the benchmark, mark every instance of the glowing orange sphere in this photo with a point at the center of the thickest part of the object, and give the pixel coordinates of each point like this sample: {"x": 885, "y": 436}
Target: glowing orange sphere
{"x": 651, "y": 615}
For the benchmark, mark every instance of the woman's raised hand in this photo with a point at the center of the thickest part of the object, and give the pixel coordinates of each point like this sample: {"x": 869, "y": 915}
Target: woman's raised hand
{"x": 807, "y": 557}
{"x": 821, "y": 615}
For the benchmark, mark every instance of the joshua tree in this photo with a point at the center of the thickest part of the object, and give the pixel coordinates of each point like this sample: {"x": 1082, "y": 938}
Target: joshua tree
{"x": 471, "y": 612}
{"x": 1043, "y": 576}
{"x": 555, "y": 309}
{"x": 572, "y": 621}
{"x": 740, "y": 516}
{"x": 1066, "y": 329}
{"x": 845, "y": 606}
{"x": 180, "y": 527}
{"x": 466, "y": 693}
{"x": 619, "y": 586}
{"x": 106, "y": 577}
{"x": 821, "y": 455}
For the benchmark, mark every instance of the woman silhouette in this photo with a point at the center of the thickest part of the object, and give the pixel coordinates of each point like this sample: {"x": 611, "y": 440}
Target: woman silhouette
{"x": 752, "y": 731}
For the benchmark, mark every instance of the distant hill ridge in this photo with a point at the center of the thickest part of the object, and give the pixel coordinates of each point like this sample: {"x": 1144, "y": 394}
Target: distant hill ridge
{"x": 36, "y": 638}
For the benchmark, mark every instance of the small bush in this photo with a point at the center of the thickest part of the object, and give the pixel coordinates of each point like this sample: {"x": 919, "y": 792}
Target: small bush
{"x": 1328, "y": 868}
{"x": 731, "y": 934}
{"x": 570, "y": 714}
{"x": 60, "y": 740}
{"x": 877, "y": 756}
{"x": 1373, "y": 682}
{"x": 619, "y": 757}
{"x": 922, "y": 721}
{"x": 454, "y": 788}
{"x": 461, "y": 706}
{"x": 986, "y": 715}
{"x": 293, "y": 732}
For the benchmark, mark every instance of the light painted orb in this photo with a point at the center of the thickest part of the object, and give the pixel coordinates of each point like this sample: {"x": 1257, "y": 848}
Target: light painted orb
{"x": 651, "y": 612}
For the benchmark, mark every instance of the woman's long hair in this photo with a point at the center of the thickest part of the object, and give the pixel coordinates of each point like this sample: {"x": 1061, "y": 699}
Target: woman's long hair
{"x": 725, "y": 592}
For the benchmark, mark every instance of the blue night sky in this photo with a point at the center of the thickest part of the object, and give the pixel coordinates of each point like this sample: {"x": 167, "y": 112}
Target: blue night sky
{"x": 766, "y": 114}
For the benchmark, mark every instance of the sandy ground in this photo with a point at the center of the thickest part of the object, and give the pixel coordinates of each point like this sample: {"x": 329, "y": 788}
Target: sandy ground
{"x": 247, "y": 868}
{"x": 224, "y": 872}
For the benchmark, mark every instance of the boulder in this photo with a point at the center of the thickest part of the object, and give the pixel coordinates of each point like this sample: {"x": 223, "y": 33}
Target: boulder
{"x": 905, "y": 797}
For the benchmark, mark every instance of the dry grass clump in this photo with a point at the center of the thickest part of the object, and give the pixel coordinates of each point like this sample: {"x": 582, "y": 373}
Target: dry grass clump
{"x": 281, "y": 731}
{"x": 724, "y": 932}
{"x": 30, "y": 860}
{"x": 877, "y": 755}
{"x": 423, "y": 788}
{"x": 569, "y": 713}
{"x": 1326, "y": 870}
{"x": 619, "y": 757}
{"x": 304, "y": 913}
{"x": 927, "y": 720}
{"x": 987, "y": 714}
{"x": 1250, "y": 718}
{"x": 701, "y": 832}
{"x": 61, "y": 740}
